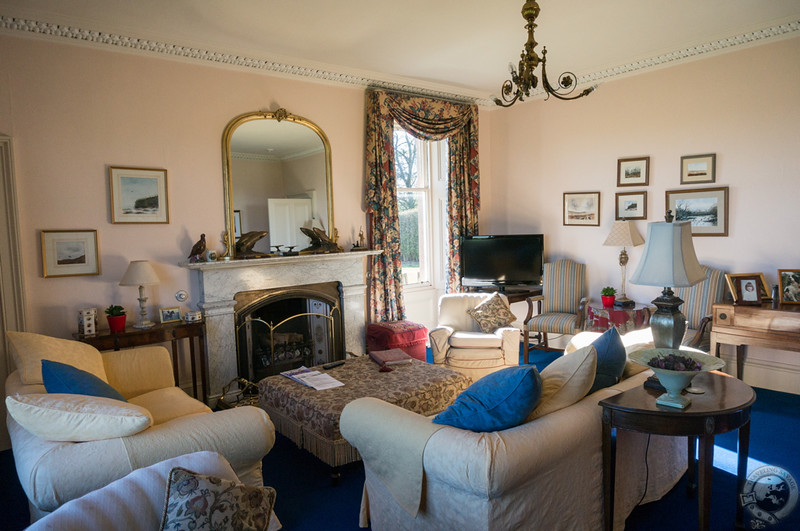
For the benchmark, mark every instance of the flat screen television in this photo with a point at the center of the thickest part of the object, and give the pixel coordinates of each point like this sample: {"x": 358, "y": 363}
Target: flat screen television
{"x": 502, "y": 260}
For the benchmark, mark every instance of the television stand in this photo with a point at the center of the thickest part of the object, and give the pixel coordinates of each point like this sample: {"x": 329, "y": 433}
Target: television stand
{"x": 513, "y": 293}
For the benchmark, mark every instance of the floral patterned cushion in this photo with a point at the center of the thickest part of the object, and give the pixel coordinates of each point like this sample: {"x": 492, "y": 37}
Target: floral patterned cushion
{"x": 195, "y": 501}
{"x": 493, "y": 313}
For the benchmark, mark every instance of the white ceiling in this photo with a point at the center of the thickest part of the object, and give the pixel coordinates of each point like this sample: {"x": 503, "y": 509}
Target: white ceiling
{"x": 457, "y": 47}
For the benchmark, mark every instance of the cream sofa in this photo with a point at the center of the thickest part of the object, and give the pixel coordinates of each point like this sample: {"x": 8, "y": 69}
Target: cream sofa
{"x": 53, "y": 472}
{"x": 543, "y": 474}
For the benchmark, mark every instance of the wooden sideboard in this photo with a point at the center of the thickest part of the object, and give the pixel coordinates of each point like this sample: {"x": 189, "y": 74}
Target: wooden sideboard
{"x": 767, "y": 325}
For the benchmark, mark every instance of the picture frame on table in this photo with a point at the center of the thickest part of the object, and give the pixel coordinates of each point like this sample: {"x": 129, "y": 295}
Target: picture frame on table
{"x": 698, "y": 169}
{"x": 789, "y": 285}
{"x": 631, "y": 205}
{"x": 748, "y": 289}
{"x": 138, "y": 195}
{"x": 633, "y": 171}
{"x": 582, "y": 208}
{"x": 732, "y": 280}
{"x": 705, "y": 208}
{"x": 70, "y": 253}
{"x": 169, "y": 315}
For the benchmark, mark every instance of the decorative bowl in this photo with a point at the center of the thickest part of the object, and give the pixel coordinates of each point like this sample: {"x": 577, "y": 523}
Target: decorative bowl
{"x": 675, "y": 381}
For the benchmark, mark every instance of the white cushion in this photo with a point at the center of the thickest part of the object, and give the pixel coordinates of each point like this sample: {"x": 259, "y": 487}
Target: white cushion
{"x": 475, "y": 340}
{"x": 30, "y": 349}
{"x": 78, "y": 418}
{"x": 566, "y": 380}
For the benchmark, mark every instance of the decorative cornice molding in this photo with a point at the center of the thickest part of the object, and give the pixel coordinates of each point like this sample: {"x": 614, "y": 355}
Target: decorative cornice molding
{"x": 187, "y": 52}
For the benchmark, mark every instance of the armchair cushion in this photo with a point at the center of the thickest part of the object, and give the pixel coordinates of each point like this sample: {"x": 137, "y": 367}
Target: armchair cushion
{"x": 63, "y": 378}
{"x": 29, "y": 349}
{"x": 77, "y": 418}
{"x": 498, "y": 401}
{"x": 611, "y": 359}
{"x": 493, "y": 313}
{"x": 475, "y": 340}
{"x": 566, "y": 380}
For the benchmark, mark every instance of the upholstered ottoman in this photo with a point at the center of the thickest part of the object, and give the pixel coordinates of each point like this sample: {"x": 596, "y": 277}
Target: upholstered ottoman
{"x": 405, "y": 335}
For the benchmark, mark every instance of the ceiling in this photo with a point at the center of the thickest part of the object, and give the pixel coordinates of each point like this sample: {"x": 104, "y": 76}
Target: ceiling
{"x": 460, "y": 48}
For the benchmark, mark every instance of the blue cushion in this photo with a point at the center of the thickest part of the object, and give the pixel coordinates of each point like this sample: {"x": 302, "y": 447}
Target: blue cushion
{"x": 63, "y": 378}
{"x": 498, "y": 401}
{"x": 611, "y": 358}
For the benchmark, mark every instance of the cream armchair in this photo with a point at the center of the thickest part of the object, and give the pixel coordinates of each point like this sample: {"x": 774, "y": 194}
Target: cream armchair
{"x": 73, "y": 459}
{"x": 459, "y": 343}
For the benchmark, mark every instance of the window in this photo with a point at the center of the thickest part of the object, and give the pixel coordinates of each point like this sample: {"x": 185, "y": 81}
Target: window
{"x": 421, "y": 172}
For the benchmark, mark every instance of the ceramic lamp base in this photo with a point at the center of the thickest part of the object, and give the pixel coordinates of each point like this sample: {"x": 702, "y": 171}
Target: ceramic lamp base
{"x": 679, "y": 401}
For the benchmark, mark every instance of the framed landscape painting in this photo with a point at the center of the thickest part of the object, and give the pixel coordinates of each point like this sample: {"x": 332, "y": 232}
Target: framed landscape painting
{"x": 706, "y": 208}
{"x": 69, "y": 253}
{"x": 697, "y": 169}
{"x": 582, "y": 208}
{"x": 138, "y": 195}
{"x": 631, "y": 205}
{"x": 633, "y": 172}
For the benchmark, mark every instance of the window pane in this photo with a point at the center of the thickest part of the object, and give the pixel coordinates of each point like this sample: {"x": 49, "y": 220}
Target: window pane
{"x": 405, "y": 159}
{"x": 412, "y": 210}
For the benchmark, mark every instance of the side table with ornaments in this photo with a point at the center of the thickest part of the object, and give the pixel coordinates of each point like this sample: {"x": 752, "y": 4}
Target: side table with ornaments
{"x": 600, "y": 318}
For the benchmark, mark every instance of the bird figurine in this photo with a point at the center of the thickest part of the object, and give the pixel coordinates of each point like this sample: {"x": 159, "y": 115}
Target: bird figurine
{"x": 198, "y": 250}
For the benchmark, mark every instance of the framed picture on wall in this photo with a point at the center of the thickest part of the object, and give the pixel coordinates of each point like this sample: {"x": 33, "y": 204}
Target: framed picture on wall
{"x": 696, "y": 169}
{"x": 732, "y": 279}
{"x": 582, "y": 208}
{"x": 789, "y": 285}
{"x": 69, "y": 253}
{"x": 633, "y": 172}
{"x": 706, "y": 208}
{"x": 138, "y": 195}
{"x": 631, "y": 205}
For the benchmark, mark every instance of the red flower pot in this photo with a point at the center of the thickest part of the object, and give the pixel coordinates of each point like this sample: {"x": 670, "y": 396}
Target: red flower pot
{"x": 608, "y": 300}
{"x": 116, "y": 323}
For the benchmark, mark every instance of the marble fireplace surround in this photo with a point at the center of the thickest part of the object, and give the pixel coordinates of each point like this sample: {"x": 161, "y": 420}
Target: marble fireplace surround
{"x": 221, "y": 280}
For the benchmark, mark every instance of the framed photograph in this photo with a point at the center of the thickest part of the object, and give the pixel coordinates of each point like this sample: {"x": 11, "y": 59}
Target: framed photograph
{"x": 631, "y": 205}
{"x": 237, "y": 223}
{"x": 696, "y": 169}
{"x": 170, "y": 315}
{"x": 582, "y": 208}
{"x": 138, "y": 195}
{"x": 789, "y": 285}
{"x": 633, "y": 172}
{"x": 762, "y": 287}
{"x": 70, "y": 253}
{"x": 706, "y": 208}
{"x": 748, "y": 289}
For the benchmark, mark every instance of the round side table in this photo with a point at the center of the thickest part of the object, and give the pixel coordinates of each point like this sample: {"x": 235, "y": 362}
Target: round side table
{"x": 600, "y": 318}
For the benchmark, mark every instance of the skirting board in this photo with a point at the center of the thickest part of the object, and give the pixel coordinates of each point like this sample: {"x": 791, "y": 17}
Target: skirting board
{"x": 760, "y": 371}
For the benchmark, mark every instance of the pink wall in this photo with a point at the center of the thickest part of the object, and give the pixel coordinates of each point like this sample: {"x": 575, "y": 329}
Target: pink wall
{"x": 743, "y": 106}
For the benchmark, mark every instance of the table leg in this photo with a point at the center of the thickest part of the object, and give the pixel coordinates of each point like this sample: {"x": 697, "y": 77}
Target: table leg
{"x": 691, "y": 470}
{"x": 741, "y": 352}
{"x": 741, "y": 469}
{"x": 706, "y": 467}
{"x": 609, "y": 468}
{"x": 525, "y": 339}
{"x": 194, "y": 367}
{"x": 175, "y": 362}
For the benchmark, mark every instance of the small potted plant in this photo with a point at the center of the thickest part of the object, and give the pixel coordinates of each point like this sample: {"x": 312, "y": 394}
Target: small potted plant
{"x": 608, "y": 294}
{"x": 116, "y": 318}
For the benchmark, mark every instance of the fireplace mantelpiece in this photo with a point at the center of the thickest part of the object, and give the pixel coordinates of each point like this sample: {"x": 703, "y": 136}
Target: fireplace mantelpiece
{"x": 221, "y": 280}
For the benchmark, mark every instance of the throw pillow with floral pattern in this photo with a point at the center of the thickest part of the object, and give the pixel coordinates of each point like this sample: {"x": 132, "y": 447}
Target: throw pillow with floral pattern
{"x": 493, "y": 313}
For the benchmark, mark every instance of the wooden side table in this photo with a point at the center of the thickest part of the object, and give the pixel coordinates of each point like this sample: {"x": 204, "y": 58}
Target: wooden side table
{"x": 725, "y": 406}
{"x": 160, "y": 333}
{"x": 599, "y": 318}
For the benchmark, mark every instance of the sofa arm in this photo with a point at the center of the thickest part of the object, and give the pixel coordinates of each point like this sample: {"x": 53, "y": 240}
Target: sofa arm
{"x": 137, "y": 371}
{"x": 510, "y": 338}
{"x": 440, "y": 343}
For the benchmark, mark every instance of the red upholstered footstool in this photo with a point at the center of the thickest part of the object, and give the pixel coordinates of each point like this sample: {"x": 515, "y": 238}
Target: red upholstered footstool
{"x": 405, "y": 335}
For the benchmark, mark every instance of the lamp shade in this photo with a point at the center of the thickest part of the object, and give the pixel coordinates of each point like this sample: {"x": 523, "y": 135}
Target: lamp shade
{"x": 139, "y": 273}
{"x": 624, "y": 234}
{"x": 669, "y": 259}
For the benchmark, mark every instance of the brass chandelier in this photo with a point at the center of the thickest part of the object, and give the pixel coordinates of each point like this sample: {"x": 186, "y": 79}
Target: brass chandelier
{"x": 523, "y": 77}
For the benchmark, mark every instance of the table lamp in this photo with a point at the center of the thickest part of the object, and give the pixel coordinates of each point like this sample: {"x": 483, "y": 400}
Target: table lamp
{"x": 624, "y": 234}
{"x": 668, "y": 260}
{"x": 140, "y": 273}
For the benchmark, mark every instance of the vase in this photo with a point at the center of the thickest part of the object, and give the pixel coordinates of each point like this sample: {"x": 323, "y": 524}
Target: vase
{"x": 116, "y": 323}
{"x": 608, "y": 300}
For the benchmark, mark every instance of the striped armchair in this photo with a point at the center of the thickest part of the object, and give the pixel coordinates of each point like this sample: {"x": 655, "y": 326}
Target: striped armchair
{"x": 697, "y": 304}
{"x": 561, "y": 307}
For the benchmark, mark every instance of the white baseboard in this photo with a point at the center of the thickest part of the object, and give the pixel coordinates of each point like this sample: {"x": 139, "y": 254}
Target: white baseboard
{"x": 766, "y": 373}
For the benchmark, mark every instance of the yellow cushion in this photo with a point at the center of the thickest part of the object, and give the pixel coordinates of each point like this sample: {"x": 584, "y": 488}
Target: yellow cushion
{"x": 77, "y": 418}
{"x": 28, "y": 351}
{"x": 566, "y": 380}
{"x": 169, "y": 403}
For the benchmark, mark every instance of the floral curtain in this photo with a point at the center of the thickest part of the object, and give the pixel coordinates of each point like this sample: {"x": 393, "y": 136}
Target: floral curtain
{"x": 427, "y": 119}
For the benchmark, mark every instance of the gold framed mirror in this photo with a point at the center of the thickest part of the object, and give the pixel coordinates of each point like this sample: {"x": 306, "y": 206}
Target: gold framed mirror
{"x": 277, "y": 178}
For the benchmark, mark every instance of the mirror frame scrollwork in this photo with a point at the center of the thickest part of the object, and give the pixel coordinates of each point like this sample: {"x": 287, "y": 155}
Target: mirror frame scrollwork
{"x": 227, "y": 174}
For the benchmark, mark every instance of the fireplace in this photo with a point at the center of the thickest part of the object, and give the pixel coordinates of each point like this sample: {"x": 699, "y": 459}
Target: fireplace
{"x": 284, "y": 328}
{"x": 220, "y": 282}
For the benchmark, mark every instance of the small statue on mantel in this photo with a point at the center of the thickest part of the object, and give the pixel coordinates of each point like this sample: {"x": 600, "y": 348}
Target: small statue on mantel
{"x": 197, "y": 254}
{"x": 245, "y": 243}
{"x": 320, "y": 242}
{"x": 360, "y": 245}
